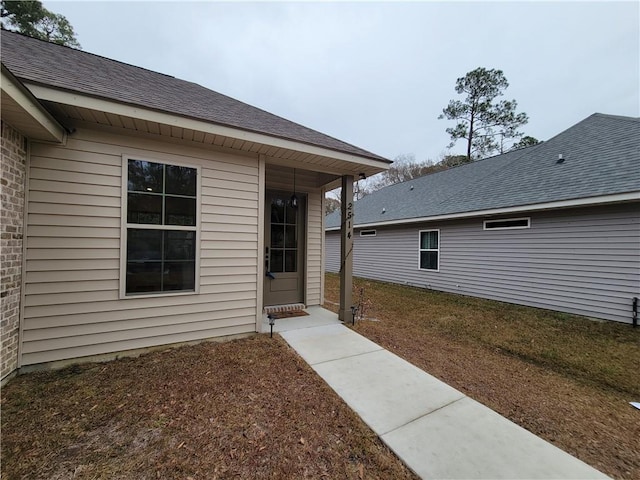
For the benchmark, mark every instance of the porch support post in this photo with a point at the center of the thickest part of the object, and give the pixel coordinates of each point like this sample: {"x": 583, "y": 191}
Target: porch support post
{"x": 346, "y": 249}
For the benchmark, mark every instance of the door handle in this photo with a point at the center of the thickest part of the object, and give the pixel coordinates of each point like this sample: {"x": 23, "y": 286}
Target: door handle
{"x": 267, "y": 264}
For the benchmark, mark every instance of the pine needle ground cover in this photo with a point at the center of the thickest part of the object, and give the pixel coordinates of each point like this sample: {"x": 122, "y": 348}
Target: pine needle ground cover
{"x": 250, "y": 408}
{"x": 565, "y": 378}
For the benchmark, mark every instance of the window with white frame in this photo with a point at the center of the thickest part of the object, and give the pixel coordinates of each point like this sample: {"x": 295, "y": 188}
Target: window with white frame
{"x": 507, "y": 223}
{"x": 367, "y": 233}
{"x": 429, "y": 254}
{"x": 161, "y": 228}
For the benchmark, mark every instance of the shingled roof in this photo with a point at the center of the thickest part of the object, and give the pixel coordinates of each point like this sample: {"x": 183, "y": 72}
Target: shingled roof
{"x": 601, "y": 157}
{"x": 65, "y": 68}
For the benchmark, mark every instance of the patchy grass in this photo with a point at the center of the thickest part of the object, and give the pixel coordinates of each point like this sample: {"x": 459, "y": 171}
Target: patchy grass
{"x": 565, "y": 378}
{"x": 244, "y": 409}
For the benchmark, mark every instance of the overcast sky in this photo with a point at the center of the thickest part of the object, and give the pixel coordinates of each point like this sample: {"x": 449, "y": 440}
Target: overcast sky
{"x": 377, "y": 75}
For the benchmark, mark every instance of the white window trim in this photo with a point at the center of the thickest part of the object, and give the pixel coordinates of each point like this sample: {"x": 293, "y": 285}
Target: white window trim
{"x": 124, "y": 225}
{"x": 528, "y": 225}
{"x": 420, "y": 249}
{"x": 363, "y": 234}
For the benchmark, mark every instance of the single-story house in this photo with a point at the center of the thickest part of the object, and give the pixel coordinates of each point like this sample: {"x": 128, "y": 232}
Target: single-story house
{"x": 140, "y": 210}
{"x": 555, "y": 225}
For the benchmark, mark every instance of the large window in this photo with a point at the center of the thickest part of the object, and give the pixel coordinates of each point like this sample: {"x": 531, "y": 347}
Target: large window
{"x": 429, "y": 250}
{"x": 161, "y": 227}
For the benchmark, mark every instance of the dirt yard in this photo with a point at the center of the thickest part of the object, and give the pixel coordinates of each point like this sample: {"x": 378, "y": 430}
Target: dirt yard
{"x": 249, "y": 408}
{"x": 565, "y": 378}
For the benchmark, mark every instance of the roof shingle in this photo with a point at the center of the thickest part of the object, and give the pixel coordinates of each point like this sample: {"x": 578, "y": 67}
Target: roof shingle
{"x": 73, "y": 70}
{"x": 601, "y": 157}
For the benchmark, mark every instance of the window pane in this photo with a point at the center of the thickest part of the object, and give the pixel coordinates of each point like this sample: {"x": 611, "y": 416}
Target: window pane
{"x": 429, "y": 240}
{"x": 144, "y": 244}
{"x": 143, "y": 277}
{"x": 178, "y": 276}
{"x": 179, "y": 211}
{"x": 180, "y": 180}
{"x": 290, "y": 257}
{"x": 434, "y": 239}
{"x": 179, "y": 245}
{"x": 292, "y": 213}
{"x": 277, "y": 236}
{"x": 145, "y": 176}
{"x": 144, "y": 208}
{"x": 291, "y": 240}
{"x": 429, "y": 260}
{"x": 277, "y": 211}
{"x": 276, "y": 262}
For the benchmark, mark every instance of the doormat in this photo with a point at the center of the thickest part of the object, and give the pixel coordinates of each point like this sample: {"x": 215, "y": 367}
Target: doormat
{"x": 289, "y": 314}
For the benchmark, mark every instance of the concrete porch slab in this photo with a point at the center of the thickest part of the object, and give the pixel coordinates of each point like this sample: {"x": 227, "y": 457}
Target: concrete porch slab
{"x": 318, "y": 316}
{"x": 328, "y": 342}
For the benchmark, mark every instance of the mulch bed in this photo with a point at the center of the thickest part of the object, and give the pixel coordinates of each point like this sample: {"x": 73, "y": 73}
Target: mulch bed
{"x": 567, "y": 379}
{"x": 249, "y": 408}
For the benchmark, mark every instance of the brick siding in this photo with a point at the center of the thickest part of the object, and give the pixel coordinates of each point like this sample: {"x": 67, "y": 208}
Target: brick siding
{"x": 12, "y": 184}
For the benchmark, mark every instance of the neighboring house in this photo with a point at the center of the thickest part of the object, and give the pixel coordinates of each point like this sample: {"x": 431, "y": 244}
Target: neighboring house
{"x": 141, "y": 210}
{"x": 555, "y": 226}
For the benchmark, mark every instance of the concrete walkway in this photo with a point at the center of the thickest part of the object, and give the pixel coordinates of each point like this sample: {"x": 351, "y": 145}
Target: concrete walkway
{"x": 436, "y": 430}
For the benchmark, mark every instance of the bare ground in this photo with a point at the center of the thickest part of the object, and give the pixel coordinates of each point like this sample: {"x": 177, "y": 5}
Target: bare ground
{"x": 249, "y": 408}
{"x": 565, "y": 378}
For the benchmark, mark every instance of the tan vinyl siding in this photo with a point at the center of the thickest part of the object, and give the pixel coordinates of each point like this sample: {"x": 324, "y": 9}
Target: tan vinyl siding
{"x": 314, "y": 249}
{"x": 583, "y": 261}
{"x": 72, "y": 303}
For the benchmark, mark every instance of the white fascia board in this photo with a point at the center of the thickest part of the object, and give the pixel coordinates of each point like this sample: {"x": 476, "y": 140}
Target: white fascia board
{"x": 29, "y": 104}
{"x": 578, "y": 202}
{"x": 78, "y": 100}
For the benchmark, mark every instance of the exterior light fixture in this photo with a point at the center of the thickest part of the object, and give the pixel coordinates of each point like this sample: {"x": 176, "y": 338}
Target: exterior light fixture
{"x": 272, "y": 322}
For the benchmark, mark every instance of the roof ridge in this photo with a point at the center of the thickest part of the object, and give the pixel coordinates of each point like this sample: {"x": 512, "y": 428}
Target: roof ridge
{"x": 616, "y": 117}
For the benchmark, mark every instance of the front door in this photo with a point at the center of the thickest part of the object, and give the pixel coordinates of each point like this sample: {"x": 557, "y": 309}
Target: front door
{"x": 284, "y": 249}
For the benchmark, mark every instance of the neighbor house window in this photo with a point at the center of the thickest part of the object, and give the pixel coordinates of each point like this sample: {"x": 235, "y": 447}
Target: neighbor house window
{"x": 161, "y": 227}
{"x": 507, "y": 223}
{"x": 429, "y": 250}
{"x": 367, "y": 233}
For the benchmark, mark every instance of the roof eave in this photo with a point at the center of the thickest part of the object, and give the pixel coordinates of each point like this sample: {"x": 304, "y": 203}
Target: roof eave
{"x": 22, "y": 110}
{"x": 46, "y": 93}
{"x": 577, "y": 202}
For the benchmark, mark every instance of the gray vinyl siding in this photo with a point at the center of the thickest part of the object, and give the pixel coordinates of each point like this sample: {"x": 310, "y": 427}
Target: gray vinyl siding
{"x": 583, "y": 261}
{"x": 72, "y": 304}
{"x": 332, "y": 252}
